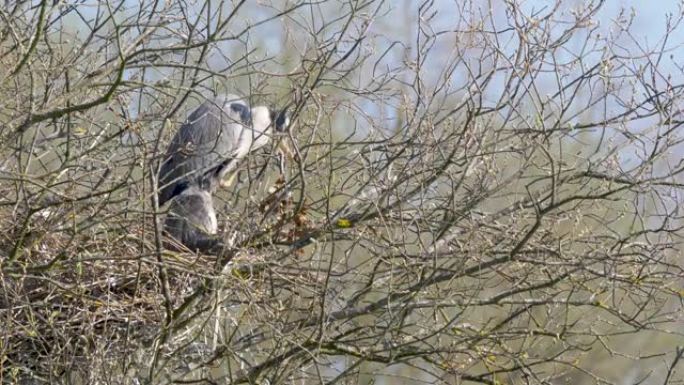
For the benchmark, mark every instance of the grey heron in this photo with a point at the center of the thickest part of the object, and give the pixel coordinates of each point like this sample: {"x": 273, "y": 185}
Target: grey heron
{"x": 192, "y": 220}
{"x": 208, "y": 146}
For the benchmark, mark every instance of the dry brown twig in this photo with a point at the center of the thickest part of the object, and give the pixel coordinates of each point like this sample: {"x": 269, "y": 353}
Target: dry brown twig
{"x": 483, "y": 193}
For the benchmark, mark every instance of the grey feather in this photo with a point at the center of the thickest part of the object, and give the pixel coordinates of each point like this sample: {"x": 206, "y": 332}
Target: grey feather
{"x": 192, "y": 220}
{"x": 203, "y": 142}
{"x": 206, "y": 147}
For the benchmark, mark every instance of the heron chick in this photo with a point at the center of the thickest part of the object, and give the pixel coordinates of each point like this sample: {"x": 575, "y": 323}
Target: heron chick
{"x": 192, "y": 220}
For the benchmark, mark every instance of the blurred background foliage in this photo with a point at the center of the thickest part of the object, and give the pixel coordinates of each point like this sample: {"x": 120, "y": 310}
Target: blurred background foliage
{"x": 485, "y": 192}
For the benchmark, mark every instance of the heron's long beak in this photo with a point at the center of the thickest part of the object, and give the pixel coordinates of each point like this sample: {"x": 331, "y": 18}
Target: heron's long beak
{"x": 284, "y": 147}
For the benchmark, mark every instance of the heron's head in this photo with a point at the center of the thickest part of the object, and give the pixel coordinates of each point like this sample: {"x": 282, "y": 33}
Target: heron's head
{"x": 261, "y": 119}
{"x": 267, "y": 121}
{"x": 261, "y": 126}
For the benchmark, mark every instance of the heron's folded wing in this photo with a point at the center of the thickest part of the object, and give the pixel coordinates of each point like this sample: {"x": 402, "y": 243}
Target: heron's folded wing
{"x": 203, "y": 143}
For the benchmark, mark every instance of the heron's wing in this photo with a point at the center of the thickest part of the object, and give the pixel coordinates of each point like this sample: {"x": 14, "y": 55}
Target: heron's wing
{"x": 235, "y": 118}
{"x": 208, "y": 138}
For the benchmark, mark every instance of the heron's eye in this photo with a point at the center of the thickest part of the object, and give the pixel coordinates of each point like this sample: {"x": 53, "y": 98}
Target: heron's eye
{"x": 243, "y": 112}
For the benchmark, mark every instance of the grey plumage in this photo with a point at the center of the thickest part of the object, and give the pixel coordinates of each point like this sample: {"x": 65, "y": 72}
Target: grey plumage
{"x": 192, "y": 220}
{"x": 208, "y": 145}
{"x": 206, "y": 148}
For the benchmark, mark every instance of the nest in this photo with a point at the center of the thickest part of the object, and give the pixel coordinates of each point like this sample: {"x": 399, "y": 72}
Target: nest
{"x": 80, "y": 297}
